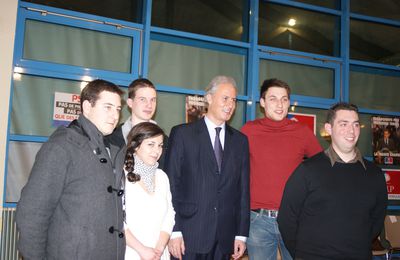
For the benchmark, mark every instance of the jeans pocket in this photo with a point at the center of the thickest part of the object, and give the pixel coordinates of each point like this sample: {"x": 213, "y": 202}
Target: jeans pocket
{"x": 253, "y": 216}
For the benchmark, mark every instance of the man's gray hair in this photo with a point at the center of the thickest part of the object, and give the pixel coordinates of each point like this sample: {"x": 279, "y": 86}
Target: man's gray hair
{"x": 218, "y": 80}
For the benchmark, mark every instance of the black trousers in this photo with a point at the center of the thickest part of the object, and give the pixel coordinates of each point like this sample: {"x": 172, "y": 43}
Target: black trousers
{"x": 214, "y": 254}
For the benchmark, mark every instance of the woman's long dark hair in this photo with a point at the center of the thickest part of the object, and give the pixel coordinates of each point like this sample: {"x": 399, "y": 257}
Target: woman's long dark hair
{"x": 136, "y": 136}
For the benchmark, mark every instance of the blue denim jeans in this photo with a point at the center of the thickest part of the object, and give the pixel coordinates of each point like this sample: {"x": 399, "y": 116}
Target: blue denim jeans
{"x": 265, "y": 239}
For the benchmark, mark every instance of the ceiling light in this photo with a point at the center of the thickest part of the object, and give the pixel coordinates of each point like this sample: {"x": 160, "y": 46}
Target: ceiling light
{"x": 292, "y": 22}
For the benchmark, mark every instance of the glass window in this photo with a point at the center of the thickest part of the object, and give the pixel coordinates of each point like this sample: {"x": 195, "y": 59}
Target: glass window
{"x": 374, "y": 42}
{"x": 173, "y": 111}
{"x": 334, "y": 4}
{"x": 222, "y": 18}
{"x": 193, "y": 68}
{"x": 387, "y": 9}
{"x": 313, "y": 32}
{"x": 21, "y": 156}
{"x": 374, "y": 89}
{"x": 79, "y": 47}
{"x": 32, "y": 104}
{"x": 128, "y": 10}
{"x": 302, "y": 79}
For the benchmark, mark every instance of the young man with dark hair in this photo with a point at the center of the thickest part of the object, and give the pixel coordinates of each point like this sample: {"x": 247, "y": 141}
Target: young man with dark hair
{"x": 142, "y": 102}
{"x": 277, "y": 146}
{"x": 71, "y": 207}
{"x": 334, "y": 203}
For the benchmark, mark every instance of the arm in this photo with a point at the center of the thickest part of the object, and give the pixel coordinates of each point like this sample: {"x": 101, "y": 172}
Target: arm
{"x": 379, "y": 212}
{"x": 312, "y": 146}
{"x": 244, "y": 221}
{"x": 39, "y": 199}
{"x": 169, "y": 221}
{"x": 146, "y": 253}
{"x": 294, "y": 195}
{"x": 173, "y": 163}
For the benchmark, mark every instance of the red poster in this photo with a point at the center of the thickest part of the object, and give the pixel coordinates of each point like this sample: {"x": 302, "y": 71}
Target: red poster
{"x": 392, "y": 183}
{"x": 308, "y": 119}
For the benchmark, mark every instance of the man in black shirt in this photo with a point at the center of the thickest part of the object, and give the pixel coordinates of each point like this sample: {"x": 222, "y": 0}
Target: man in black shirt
{"x": 334, "y": 203}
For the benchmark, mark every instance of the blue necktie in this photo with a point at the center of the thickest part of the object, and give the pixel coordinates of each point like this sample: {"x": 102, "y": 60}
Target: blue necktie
{"x": 218, "y": 149}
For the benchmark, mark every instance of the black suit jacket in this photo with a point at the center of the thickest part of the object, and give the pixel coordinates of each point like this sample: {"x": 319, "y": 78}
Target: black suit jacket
{"x": 117, "y": 138}
{"x": 209, "y": 207}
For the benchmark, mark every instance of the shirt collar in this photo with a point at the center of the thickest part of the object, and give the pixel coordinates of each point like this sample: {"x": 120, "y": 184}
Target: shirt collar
{"x": 335, "y": 158}
{"x": 210, "y": 124}
{"x": 127, "y": 126}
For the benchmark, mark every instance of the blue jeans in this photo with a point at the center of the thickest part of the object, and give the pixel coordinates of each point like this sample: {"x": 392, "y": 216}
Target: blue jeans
{"x": 265, "y": 239}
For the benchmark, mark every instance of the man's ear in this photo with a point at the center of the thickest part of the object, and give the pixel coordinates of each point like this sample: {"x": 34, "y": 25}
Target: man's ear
{"x": 209, "y": 98}
{"x": 328, "y": 128}
{"x": 86, "y": 106}
{"x": 262, "y": 102}
{"x": 129, "y": 102}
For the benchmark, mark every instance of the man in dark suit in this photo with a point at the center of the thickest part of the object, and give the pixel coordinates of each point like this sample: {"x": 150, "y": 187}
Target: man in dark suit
{"x": 386, "y": 143}
{"x": 208, "y": 165}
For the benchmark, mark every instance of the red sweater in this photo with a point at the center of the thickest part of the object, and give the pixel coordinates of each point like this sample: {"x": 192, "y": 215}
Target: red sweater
{"x": 276, "y": 149}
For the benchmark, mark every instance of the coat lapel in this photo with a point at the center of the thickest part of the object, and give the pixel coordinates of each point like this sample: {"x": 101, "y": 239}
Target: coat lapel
{"x": 206, "y": 148}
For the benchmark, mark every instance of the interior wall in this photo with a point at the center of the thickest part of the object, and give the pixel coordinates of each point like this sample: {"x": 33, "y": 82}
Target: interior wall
{"x": 8, "y": 20}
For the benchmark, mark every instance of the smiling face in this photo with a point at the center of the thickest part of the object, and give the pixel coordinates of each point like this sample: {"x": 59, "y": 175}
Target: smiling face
{"x": 275, "y": 103}
{"x": 150, "y": 150}
{"x": 104, "y": 114}
{"x": 143, "y": 105}
{"x": 221, "y": 103}
{"x": 344, "y": 132}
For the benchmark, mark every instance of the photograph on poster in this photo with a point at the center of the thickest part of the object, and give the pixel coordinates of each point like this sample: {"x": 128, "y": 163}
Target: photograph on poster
{"x": 386, "y": 140}
{"x": 392, "y": 183}
{"x": 195, "y": 107}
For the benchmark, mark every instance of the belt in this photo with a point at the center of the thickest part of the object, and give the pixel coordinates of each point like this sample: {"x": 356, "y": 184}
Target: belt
{"x": 268, "y": 212}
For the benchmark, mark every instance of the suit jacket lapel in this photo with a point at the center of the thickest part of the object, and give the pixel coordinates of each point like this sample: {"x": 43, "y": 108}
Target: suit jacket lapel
{"x": 228, "y": 147}
{"x": 206, "y": 150}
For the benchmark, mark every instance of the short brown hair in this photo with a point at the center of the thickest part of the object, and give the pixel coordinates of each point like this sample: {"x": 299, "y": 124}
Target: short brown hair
{"x": 268, "y": 83}
{"x": 92, "y": 90}
{"x": 330, "y": 117}
{"x": 137, "y": 84}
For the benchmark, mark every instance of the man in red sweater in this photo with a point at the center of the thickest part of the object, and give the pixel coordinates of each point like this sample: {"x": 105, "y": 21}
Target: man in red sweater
{"x": 277, "y": 146}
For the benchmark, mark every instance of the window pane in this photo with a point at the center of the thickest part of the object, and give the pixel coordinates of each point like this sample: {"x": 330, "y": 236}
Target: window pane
{"x": 374, "y": 90}
{"x": 374, "y": 42}
{"x": 320, "y": 114}
{"x": 313, "y": 32}
{"x": 78, "y": 47}
{"x": 21, "y": 157}
{"x": 193, "y": 68}
{"x": 225, "y": 19}
{"x": 32, "y": 104}
{"x": 128, "y": 10}
{"x": 387, "y": 9}
{"x": 334, "y": 4}
{"x": 171, "y": 111}
{"x": 302, "y": 79}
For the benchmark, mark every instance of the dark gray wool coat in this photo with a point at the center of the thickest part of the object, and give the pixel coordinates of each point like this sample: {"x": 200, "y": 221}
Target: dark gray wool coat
{"x": 67, "y": 208}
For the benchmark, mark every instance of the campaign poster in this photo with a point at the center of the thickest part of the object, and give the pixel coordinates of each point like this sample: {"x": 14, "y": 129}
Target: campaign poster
{"x": 196, "y": 107}
{"x": 67, "y": 108}
{"x": 386, "y": 140}
{"x": 307, "y": 119}
{"x": 392, "y": 183}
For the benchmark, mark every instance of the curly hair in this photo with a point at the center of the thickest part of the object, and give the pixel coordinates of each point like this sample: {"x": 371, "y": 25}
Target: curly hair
{"x": 136, "y": 136}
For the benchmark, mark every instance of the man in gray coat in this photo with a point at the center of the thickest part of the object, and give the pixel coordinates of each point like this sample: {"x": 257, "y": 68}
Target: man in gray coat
{"x": 71, "y": 207}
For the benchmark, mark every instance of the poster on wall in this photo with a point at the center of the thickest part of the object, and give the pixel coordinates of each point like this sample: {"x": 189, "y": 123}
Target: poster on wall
{"x": 307, "y": 119}
{"x": 392, "y": 183}
{"x": 386, "y": 140}
{"x": 195, "y": 107}
{"x": 67, "y": 108}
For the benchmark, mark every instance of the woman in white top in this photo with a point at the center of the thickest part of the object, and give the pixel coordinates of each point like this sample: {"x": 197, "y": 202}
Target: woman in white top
{"x": 148, "y": 205}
